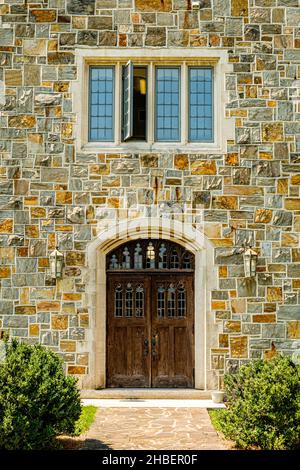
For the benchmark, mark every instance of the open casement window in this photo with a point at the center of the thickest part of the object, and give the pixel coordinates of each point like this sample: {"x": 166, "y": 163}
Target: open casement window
{"x": 151, "y": 103}
{"x": 128, "y": 101}
{"x": 134, "y": 86}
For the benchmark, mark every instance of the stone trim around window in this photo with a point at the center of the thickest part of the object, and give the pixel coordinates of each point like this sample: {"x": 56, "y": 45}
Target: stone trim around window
{"x": 224, "y": 126}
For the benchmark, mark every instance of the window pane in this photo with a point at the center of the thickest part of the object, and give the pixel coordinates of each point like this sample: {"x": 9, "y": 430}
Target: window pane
{"x": 128, "y": 101}
{"x": 171, "y": 301}
{"x": 139, "y": 301}
{"x": 174, "y": 260}
{"x": 129, "y": 301}
{"x": 101, "y": 104}
{"x": 118, "y": 301}
{"x": 200, "y": 104}
{"x": 167, "y": 104}
{"x": 181, "y": 297}
{"x": 161, "y": 302}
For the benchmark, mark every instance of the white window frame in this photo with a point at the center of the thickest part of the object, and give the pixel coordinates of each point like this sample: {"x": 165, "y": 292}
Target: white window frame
{"x": 222, "y": 126}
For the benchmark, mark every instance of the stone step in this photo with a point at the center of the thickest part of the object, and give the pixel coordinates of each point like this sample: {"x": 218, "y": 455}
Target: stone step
{"x": 150, "y": 403}
{"x": 150, "y": 393}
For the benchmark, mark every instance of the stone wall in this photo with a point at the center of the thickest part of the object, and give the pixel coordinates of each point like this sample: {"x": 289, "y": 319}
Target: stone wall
{"x": 50, "y": 194}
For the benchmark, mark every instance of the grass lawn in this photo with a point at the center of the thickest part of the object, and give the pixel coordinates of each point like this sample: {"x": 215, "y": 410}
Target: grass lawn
{"x": 83, "y": 424}
{"x": 85, "y": 420}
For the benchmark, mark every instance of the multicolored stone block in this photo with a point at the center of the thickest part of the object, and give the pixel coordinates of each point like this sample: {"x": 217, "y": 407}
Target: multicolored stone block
{"x": 51, "y": 194}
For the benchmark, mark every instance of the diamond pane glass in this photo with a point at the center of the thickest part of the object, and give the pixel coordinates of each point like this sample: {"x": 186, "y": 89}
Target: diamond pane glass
{"x": 101, "y": 105}
{"x": 167, "y": 104}
{"x": 200, "y": 104}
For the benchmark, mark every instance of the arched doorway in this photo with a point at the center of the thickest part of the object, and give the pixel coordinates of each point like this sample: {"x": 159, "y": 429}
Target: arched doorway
{"x": 150, "y": 315}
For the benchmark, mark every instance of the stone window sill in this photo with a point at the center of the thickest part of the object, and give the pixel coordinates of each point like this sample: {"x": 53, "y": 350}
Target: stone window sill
{"x": 130, "y": 147}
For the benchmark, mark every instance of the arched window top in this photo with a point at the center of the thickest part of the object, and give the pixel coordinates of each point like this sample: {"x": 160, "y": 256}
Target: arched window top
{"x": 150, "y": 254}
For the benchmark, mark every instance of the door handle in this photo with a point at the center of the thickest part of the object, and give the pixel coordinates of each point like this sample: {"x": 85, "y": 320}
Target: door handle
{"x": 154, "y": 343}
{"x": 146, "y": 348}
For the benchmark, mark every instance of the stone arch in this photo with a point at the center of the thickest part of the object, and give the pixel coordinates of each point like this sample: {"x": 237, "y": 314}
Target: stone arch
{"x": 184, "y": 234}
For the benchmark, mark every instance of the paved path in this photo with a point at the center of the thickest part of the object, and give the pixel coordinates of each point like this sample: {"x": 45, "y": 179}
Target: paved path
{"x": 152, "y": 428}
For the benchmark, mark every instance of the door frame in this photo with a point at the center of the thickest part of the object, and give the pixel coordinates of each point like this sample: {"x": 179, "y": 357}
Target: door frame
{"x": 205, "y": 328}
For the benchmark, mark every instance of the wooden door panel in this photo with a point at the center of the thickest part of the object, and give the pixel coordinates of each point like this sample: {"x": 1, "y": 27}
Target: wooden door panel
{"x": 183, "y": 357}
{"x": 160, "y": 354}
{"x": 128, "y": 326}
{"x": 120, "y": 338}
{"x": 172, "y": 324}
{"x": 138, "y": 364}
{"x": 150, "y": 338}
{"x": 173, "y": 364}
{"x": 180, "y": 350}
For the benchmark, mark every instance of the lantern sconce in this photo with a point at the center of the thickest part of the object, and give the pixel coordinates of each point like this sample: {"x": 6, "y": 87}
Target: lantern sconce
{"x": 250, "y": 262}
{"x": 56, "y": 264}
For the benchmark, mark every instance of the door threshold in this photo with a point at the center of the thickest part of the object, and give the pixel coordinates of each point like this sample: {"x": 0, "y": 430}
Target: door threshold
{"x": 150, "y": 393}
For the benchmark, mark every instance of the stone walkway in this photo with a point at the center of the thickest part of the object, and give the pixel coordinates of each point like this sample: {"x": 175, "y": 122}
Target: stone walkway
{"x": 152, "y": 429}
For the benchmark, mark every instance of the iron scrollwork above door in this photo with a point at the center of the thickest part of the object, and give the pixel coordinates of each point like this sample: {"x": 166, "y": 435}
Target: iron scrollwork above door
{"x": 150, "y": 254}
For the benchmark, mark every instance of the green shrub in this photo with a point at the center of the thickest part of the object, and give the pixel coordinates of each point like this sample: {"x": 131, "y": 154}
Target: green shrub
{"x": 263, "y": 405}
{"x": 37, "y": 401}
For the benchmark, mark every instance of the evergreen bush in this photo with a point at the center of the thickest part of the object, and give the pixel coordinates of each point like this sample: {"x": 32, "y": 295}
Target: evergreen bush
{"x": 37, "y": 401}
{"x": 263, "y": 405}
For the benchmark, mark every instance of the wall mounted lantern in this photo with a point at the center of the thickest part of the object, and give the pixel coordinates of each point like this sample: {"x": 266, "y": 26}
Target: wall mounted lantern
{"x": 56, "y": 264}
{"x": 250, "y": 262}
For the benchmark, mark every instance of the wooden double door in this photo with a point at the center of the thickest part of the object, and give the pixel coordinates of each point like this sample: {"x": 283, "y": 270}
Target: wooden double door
{"x": 150, "y": 329}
